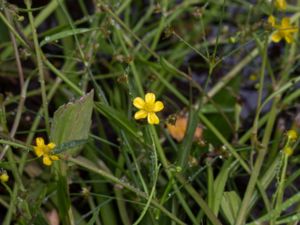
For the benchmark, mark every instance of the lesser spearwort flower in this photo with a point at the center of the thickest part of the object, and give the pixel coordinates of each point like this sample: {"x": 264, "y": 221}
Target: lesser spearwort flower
{"x": 45, "y": 150}
{"x": 148, "y": 108}
{"x": 4, "y": 177}
{"x": 280, "y": 4}
{"x": 284, "y": 30}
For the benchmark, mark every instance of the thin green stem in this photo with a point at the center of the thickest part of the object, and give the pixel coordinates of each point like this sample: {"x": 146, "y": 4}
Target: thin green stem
{"x": 261, "y": 151}
{"x": 155, "y": 176}
{"x": 11, "y": 28}
{"x": 40, "y": 65}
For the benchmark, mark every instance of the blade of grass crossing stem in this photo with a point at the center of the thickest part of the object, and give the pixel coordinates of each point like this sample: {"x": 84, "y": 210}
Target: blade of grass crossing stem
{"x": 119, "y": 119}
{"x": 169, "y": 86}
{"x": 224, "y": 141}
{"x": 134, "y": 71}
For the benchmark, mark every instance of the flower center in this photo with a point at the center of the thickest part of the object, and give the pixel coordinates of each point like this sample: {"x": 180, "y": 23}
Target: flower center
{"x": 149, "y": 107}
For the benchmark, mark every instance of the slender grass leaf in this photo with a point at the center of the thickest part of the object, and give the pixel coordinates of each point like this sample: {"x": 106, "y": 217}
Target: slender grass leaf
{"x": 63, "y": 34}
{"x": 117, "y": 118}
{"x": 230, "y": 205}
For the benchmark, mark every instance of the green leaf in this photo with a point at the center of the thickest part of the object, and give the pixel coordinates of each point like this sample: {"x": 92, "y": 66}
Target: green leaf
{"x": 64, "y": 34}
{"x": 230, "y": 205}
{"x": 68, "y": 145}
{"x": 72, "y": 122}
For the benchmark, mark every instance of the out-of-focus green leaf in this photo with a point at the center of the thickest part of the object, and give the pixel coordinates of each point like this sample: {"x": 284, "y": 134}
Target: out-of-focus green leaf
{"x": 4, "y": 33}
{"x": 72, "y": 121}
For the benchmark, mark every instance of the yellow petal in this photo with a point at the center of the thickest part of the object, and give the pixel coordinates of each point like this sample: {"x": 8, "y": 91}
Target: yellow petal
{"x": 54, "y": 157}
{"x": 272, "y": 21}
{"x": 150, "y": 98}
{"x": 152, "y": 118}
{"x": 46, "y": 160}
{"x": 276, "y": 37}
{"x": 280, "y": 4}
{"x": 139, "y": 103}
{"x": 38, "y": 151}
{"x": 51, "y": 145}
{"x": 285, "y": 23}
{"x": 140, "y": 114}
{"x": 288, "y": 38}
{"x": 39, "y": 141}
{"x": 158, "y": 106}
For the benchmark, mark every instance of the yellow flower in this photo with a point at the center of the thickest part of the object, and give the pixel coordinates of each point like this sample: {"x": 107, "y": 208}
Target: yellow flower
{"x": 292, "y": 135}
{"x": 148, "y": 108}
{"x": 288, "y": 151}
{"x": 45, "y": 150}
{"x": 284, "y": 30}
{"x": 280, "y": 4}
{"x": 4, "y": 177}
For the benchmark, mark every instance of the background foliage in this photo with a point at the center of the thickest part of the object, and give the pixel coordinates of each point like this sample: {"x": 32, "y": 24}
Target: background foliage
{"x": 215, "y": 68}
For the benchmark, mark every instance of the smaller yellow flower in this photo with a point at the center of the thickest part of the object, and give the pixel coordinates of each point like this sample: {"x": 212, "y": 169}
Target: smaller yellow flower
{"x": 45, "y": 150}
{"x": 148, "y": 108}
{"x": 288, "y": 151}
{"x": 280, "y": 4}
{"x": 272, "y": 20}
{"x": 284, "y": 30}
{"x": 292, "y": 135}
{"x": 4, "y": 177}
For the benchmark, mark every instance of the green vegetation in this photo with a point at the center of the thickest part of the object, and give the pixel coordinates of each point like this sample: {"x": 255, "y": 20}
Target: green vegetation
{"x": 149, "y": 112}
